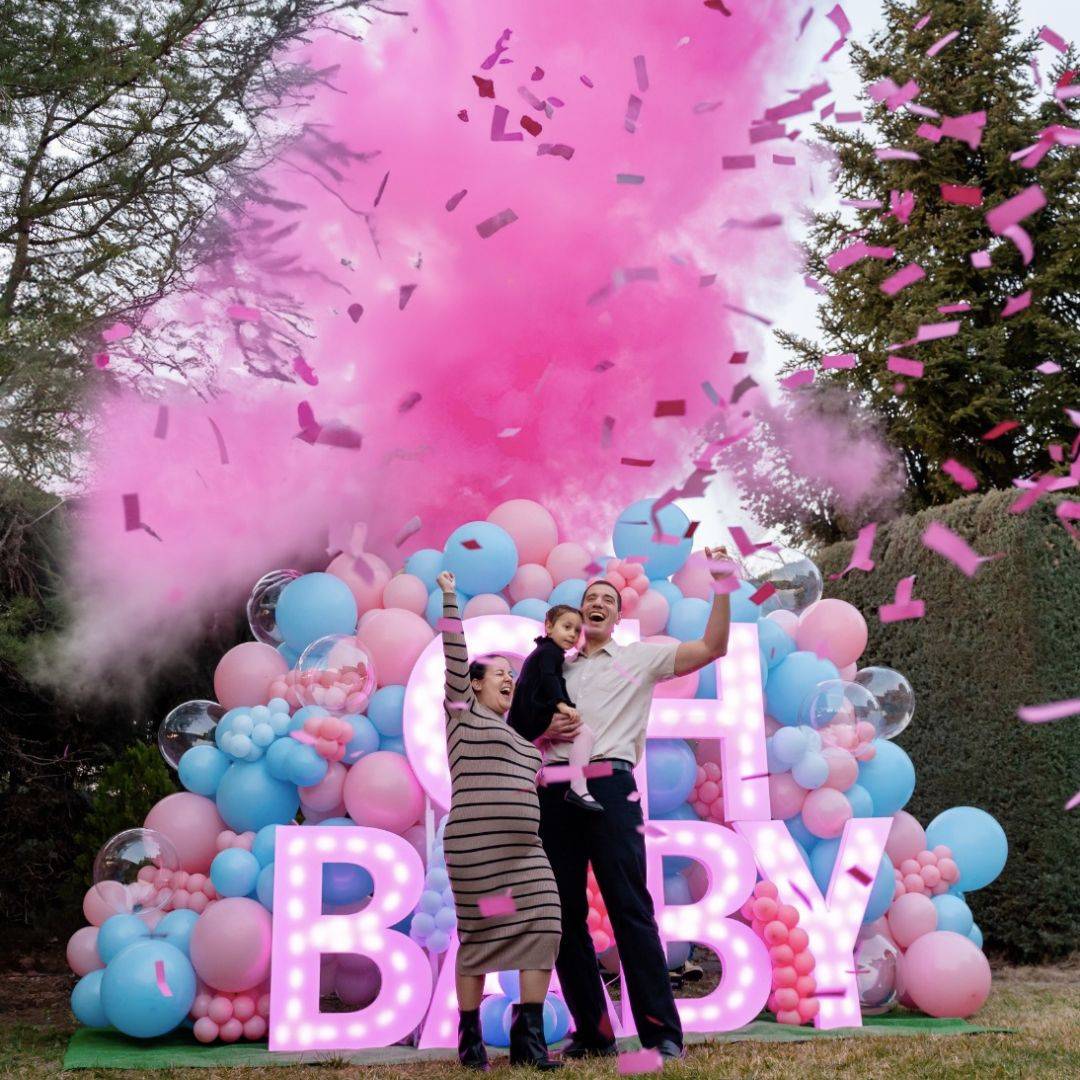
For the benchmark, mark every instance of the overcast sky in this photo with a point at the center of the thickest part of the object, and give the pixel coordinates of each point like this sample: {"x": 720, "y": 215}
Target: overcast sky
{"x": 799, "y": 313}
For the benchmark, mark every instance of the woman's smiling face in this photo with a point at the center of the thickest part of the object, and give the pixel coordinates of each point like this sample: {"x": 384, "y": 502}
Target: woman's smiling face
{"x": 496, "y": 689}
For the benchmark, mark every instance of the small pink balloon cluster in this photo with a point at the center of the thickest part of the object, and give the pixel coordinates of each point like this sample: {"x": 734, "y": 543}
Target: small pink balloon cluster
{"x": 857, "y": 739}
{"x": 603, "y": 936}
{"x": 228, "y": 839}
{"x": 794, "y": 986}
{"x": 630, "y": 579}
{"x": 707, "y": 794}
{"x": 929, "y": 873}
{"x": 228, "y": 1017}
{"x": 189, "y": 891}
{"x": 331, "y": 736}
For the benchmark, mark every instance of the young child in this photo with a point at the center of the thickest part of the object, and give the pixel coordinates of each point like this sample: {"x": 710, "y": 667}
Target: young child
{"x": 541, "y": 692}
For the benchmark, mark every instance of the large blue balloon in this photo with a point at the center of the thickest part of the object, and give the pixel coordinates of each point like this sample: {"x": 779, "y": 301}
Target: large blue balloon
{"x": 569, "y": 592}
{"x": 861, "y": 803}
{"x": 676, "y": 889}
{"x": 313, "y": 606}
{"x": 510, "y": 984}
{"x": 822, "y": 860}
{"x": 634, "y": 536}
{"x": 426, "y": 564}
{"x": 671, "y": 768}
{"x": 881, "y": 892}
{"x": 264, "y": 887}
{"x": 979, "y": 845}
{"x": 953, "y": 914}
{"x": 344, "y": 883}
{"x": 888, "y": 778}
{"x": 386, "y": 710}
{"x": 743, "y": 609}
{"x": 234, "y": 872}
{"x": 688, "y": 618}
{"x": 86, "y": 1000}
{"x": 433, "y": 611}
{"x": 486, "y": 568}
{"x": 201, "y": 769}
{"x": 117, "y": 933}
{"x": 176, "y": 929}
{"x": 792, "y": 680}
{"x": 130, "y": 995}
{"x": 263, "y": 846}
{"x": 557, "y": 1029}
{"x": 774, "y": 642}
{"x": 493, "y": 1011}
{"x": 365, "y": 739}
{"x": 531, "y": 609}
{"x": 248, "y": 797}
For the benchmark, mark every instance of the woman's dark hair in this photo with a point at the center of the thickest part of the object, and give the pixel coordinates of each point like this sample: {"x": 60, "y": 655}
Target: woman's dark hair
{"x": 478, "y": 668}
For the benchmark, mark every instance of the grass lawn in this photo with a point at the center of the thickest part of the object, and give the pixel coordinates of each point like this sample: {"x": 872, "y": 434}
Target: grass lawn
{"x": 1042, "y": 1004}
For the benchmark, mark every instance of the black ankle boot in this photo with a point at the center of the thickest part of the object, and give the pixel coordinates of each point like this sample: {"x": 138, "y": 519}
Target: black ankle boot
{"x": 527, "y": 1043}
{"x": 470, "y": 1044}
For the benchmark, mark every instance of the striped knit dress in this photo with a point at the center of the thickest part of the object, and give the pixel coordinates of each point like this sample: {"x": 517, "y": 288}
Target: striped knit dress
{"x": 491, "y": 842}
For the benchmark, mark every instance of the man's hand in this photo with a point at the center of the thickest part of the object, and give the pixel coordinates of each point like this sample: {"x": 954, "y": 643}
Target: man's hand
{"x": 563, "y": 728}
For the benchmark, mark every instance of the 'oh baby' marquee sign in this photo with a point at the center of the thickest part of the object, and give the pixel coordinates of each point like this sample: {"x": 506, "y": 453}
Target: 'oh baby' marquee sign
{"x": 411, "y": 994}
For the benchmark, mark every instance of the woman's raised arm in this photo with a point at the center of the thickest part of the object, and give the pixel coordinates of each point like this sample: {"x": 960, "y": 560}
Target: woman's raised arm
{"x": 455, "y": 653}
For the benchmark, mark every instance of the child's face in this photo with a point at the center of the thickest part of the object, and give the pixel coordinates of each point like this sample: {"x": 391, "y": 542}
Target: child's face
{"x": 566, "y": 630}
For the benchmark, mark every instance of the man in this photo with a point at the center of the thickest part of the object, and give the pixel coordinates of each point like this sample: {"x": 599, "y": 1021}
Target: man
{"x": 612, "y": 688}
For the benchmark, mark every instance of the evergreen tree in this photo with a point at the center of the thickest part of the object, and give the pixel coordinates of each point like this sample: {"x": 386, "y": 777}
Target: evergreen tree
{"x": 984, "y": 375}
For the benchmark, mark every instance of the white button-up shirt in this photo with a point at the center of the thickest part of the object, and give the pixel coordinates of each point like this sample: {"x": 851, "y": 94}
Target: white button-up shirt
{"x": 613, "y": 691}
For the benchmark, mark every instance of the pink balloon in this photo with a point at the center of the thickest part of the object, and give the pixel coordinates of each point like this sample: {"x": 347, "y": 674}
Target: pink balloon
{"x": 485, "y": 604}
{"x": 417, "y": 836}
{"x": 693, "y": 578}
{"x": 843, "y": 768}
{"x": 946, "y": 974}
{"x": 231, "y": 1031}
{"x": 834, "y": 629}
{"x": 531, "y": 582}
{"x": 357, "y": 981}
{"x": 406, "y": 591}
{"x": 220, "y": 1009}
{"x": 395, "y": 639}
{"x": 244, "y": 674}
{"x": 652, "y": 612}
{"x": 206, "y": 1031}
{"x": 906, "y": 838}
{"x": 531, "y": 527}
{"x": 848, "y": 673}
{"x": 326, "y": 794}
{"x": 788, "y": 621}
{"x": 785, "y": 795}
{"x": 82, "y": 954}
{"x": 255, "y": 1028}
{"x": 367, "y": 589}
{"x": 698, "y": 878}
{"x": 382, "y": 791}
{"x": 103, "y": 900}
{"x": 367, "y": 617}
{"x": 825, "y": 812}
{"x": 910, "y": 917}
{"x": 192, "y": 823}
{"x": 685, "y": 686}
{"x": 568, "y": 561}
{"x": 230, "y": 944}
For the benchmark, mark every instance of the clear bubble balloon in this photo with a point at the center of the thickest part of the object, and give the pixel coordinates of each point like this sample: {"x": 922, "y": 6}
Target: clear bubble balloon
{"x": 262, "y": 605}
{"x": 797, "y": 580}
{"x": 186, "y": 726}
{"x": 894, "y": 695}
{"x": 336, "y": 673}
{"x": 134, "y": 872}
{"x": 836, "y": 708}
{"x": 877, "y": 972}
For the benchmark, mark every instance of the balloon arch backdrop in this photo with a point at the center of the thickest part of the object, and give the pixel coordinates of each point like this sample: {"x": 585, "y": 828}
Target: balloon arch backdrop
{"x": 775, "y": 794}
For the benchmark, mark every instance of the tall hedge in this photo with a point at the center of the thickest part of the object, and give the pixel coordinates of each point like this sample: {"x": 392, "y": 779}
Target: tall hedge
{"x": 1008, "y": 637}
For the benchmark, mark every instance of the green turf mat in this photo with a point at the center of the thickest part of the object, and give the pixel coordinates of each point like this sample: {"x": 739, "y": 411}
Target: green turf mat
{"x": 93, "y": 1048}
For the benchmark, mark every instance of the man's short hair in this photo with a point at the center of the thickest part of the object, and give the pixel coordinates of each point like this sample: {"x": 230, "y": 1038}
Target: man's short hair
{"x": 604, "y": 581}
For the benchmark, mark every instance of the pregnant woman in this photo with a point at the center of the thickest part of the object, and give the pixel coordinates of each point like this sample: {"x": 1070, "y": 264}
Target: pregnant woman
{"x": 508, "y": 912}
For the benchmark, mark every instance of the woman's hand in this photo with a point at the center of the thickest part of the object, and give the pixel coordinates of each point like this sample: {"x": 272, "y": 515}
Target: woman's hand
{"x": 715, "y": 555}
{"x": 445, "y": 581}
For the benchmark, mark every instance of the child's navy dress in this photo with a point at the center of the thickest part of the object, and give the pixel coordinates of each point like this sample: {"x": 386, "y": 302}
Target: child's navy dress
{"x": 540, "y": 689}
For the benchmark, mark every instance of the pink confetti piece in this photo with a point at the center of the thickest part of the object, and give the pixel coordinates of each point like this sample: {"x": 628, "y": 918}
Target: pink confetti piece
{"x": 749, "y": 314}
{"x": 1016, "y": 304}
{"x": 829, "y": 993}
{"x": 501, "y": 46}
{"x": 1034, "y": 493}
{"x": 382, "y": 188}
{"x": 943, "y": 541}
{"x": 409, "y": 401}
{"x": 889, "y": 153}
{"x": 493, "y": 224}
{"x": 447, "y": 625}
{"x": 302, "y": 736}
{"x": 760, "y": 133}
{"x": 860, "y": 555}
{"x": 814, "y": 285}
{"x": 1019, "y": 236}
{"x": 1053, "y": 38}
{"x": 410, "y": 528}
{"x": 718, "y": 5}
{"x": 980, "y": 260}
{"x": 853, "y": 117}
{"x": 355, "y": 311}
{"x": 629, "y": 178}
{"x": 537, "y": 74}
{"x": 633, "y": 112}
{"x": 636, "y": 1062}
{"x": 305, "y": 371}
{"x": 935, "y": 331}
{"x": 1074, "y": 802}
{"x": 901, "y": 365}
{"x": 952, "y": 309}
{"x": 242, "y": 313}
{"x": 783, "y": 159}
{"x": 827, "y": 111}
{"x": 803, "y": 21}
{"x": 737, "y": 161}
{"x": 795, "y": 888}
{"x": 117, "y": 332}
{"x": 962, "y": 195}
{"x": 923, "y": 21}
{"x": 558, "y": 103}
{"x": 1013, "y": 211}
{"x": 586, "y": 81}
{"x": 498, "y": 904}
{"x": 941, "y": 42}
{"x": 762, "y": 594}
{"x": 863, "y": 204}
{"x": 834, "y": 361}
{"x": 161, "y": 428}
{"x": 641, "y": 74}
{"x": 802, "y": 377}
{"x": 960, "y": 474}
{"x": 902, "y": 607}
{"x": 223, "y": 453}
{"x": 498, "y": 126}
{"x": 1036, "y": 75}
{"x": 1052, "y": 710}
{"x": 638, "y": 463}
{"x": 471, "y": 545}
{"x": 743, "y": 542}
{"x": 531, "y": 125}
{"x": 860, "y": 875}
{"x": 967, "y": 128}
{"x": 1000, "y": 429}
{"x": 101, "y": 360}
{"x": 555, "y": 150}
{"x": 162, "y": 982}
{"x": 132, "y": 520}
{"x": 405, "y": 295}
{"x": 843, "y": 26}
{"x": 765, "y": 221}
{"x": 853, "y": 253}
{"x": 1048, "y": 367}
{"x": 670, "y": 407}
{"x": 901, "y": 205}
{"x": 452, "y": 202}
{"x": 929, "y": 131}
{"x": 902, "y": 279}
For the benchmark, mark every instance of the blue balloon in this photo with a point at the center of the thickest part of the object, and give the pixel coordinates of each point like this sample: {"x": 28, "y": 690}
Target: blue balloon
{"x": 634, "y": 532}
{"x": 86, "y": 1000}
{"x": 365, "y": 740}
{"x": 434, "y": 609}
{"x": 225, "y": 724}
{"x": 668, "y": 590}
{"x": 569, "y": 592}
{"x": 201, "y": 769}
{"x": 688, "y": 618}
{"x": 881, "y": 892}
{"x": 674, "y": 864}
{"x": 676, "y": 889}
{"x": 234, "y": 872}
{"x": 531, "y": 609}
{"x": 426, "y": 564}
{"x": 560, "y": 1025}
{"x": 888, "y": 778}
{"x": 811, "y": 772}
{"x": 774, "y": 642}
{"x": 822, "y": 860}
{"x": 978, "y": 843}
{"x": 706, "y": 687}
{"x": 249, "y": 797}
{"x": 492, "y": 1020}
{"x": 791, "y": 680}
{"x": 975, "y": 934}
{"x": 344, "y": 883}
{"x": 861, "y": 803}
{"x": 385, "y": 709}
{"x": 306, "y": 767}
{"x": 763, "y": 664}
{"x": 510, "y": 982}
{"x": 743, "y": 609}
{"x": 264, "y": 887}
{"x": 953, "y": 914}
{"x": 392, "y": 745}
{"x": 277, "y": 758}
{"x": 789, "y": 745}
{"x": 176, "y": 929}
{"x": 313, "y": 606}
{"x": 484, "y": 569}
{"x": 129, "y": 989}
{"x": 801, "y": 834}
{"x": 117, "y": 933}
{"x": 263, "y": 846}
{"x": 672, "y": 769}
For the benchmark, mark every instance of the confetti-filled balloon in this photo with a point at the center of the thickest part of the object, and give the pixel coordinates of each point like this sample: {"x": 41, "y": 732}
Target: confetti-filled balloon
{"x": 142, "y": 862}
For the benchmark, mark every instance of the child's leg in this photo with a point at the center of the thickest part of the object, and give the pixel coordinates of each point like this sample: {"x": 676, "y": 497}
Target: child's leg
{"x": 580, "y": 752}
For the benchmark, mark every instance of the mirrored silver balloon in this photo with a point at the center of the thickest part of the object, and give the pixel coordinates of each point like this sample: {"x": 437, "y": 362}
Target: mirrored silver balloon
{"x": 877, "y": 974}
{"x": 187, "y": 726}
{"x": 797, "y": 580}
{"x": 894, "y": 696}
{"x": 262, "y": 606}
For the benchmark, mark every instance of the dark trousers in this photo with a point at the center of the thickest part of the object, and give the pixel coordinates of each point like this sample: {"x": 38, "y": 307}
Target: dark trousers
{"x": 612, "y": 842}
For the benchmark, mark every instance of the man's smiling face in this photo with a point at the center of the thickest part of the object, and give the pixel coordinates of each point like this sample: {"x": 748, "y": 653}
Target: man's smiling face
{"x": 600, "y": 606}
